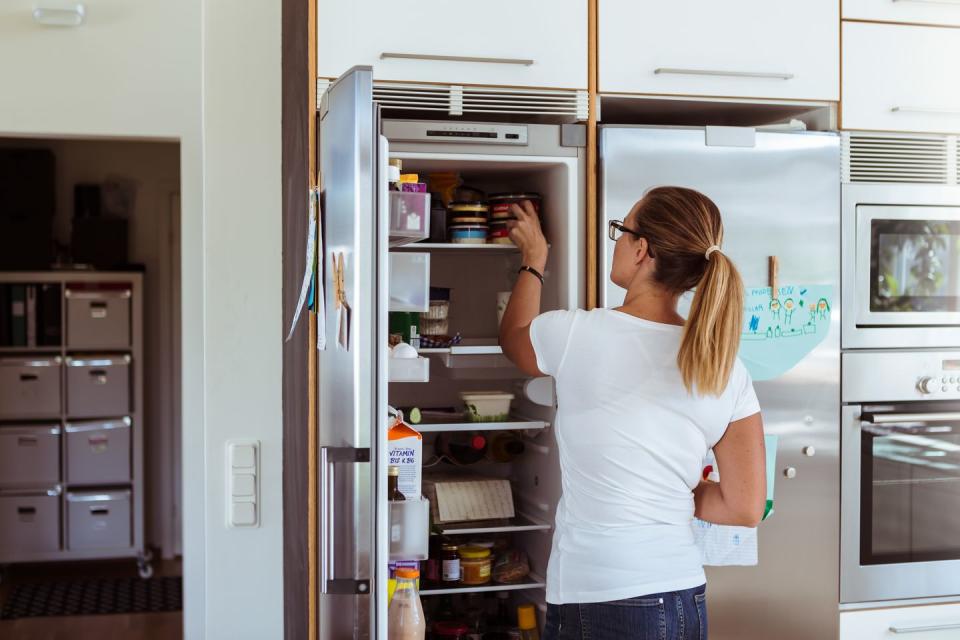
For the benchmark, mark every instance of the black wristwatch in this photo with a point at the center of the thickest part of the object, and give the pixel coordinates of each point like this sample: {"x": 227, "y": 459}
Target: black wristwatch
{"x": 536, "y": 273}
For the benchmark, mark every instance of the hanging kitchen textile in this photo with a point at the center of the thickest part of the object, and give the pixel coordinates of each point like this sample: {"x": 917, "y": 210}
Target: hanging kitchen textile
{"x": 780, "y": 330}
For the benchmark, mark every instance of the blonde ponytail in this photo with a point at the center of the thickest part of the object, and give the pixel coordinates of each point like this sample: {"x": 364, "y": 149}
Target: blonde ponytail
{"x": 711, "y": 335}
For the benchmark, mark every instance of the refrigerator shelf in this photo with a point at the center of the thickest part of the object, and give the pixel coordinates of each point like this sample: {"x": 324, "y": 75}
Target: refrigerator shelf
{"x": 514, "y": 424}
{"x": 533, "y": 582}
{"x": 521, "y": 523}
{"x": 459, "y": 248}
{"x": 471, "y": 354}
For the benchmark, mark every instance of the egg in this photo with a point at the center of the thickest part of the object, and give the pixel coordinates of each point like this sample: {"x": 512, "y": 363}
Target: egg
{"x": 403, "y": 350}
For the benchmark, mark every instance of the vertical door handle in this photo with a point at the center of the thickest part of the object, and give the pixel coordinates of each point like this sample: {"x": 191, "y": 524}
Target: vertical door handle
{"x": 329, "y": 583}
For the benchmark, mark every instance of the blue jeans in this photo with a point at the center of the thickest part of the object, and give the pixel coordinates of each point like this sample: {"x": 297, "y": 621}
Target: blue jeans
{"x": 674, "y": 615}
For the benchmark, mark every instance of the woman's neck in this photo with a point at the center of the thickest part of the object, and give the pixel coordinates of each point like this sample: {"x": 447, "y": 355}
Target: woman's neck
{"x": 650, "y": 302}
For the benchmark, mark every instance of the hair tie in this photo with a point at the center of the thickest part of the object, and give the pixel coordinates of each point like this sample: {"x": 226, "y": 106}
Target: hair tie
{"x": 712, "y": 248}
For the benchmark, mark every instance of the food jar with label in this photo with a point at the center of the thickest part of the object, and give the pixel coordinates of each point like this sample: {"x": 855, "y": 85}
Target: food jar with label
{"x": 451, "y": 563}
{"x": 475, "y": 565}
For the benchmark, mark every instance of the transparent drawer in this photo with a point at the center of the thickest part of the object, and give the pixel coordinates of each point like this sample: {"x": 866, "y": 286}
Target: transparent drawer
{"x": 409, "y": 529}
{"x": 410, "y": 282}
{"x": 409, "y": 217}
{"x": 408, "y": 369}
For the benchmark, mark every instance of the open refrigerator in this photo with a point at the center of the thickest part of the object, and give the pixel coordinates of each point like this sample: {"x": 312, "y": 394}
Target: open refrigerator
{"x": 371, "y": 262}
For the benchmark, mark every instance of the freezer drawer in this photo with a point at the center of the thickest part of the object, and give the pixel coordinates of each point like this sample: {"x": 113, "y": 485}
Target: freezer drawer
{"x": 29, "y": 455}
{"x": 29, "y": 521}
{"x": 98, "y": 316}
{"x": 98, "y": 519}
{"x": 98, "y": 386}
{"x": 98, "y": 451}
{"x": 29, "y": 388}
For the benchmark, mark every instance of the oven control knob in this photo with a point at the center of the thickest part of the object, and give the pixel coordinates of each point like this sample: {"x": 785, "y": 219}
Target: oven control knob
{"x": 927, "y": 385}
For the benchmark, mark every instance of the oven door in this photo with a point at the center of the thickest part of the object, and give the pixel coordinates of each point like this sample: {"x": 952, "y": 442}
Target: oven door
{"x": 908, "y": 266}
{"x": 900, "y": 502}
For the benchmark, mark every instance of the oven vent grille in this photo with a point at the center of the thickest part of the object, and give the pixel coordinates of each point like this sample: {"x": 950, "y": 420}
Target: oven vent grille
{"x": 903, "y": 158}
{"x": 458, "y": 100}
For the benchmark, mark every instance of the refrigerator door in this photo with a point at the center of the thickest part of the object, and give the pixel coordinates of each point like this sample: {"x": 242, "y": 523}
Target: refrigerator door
{"x": 779, "y": 196}
{"x": 348, "y": 379}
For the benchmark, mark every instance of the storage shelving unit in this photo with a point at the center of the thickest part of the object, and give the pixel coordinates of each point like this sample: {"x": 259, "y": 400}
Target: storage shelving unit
{"x": 99, "y": 418}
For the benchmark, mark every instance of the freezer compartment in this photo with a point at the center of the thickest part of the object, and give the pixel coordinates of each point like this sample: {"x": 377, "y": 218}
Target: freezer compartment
{"x": 29, "y": 455}
{"x": 98, "y": 452}
{"x": 98, "y": 315}
{"x": 98, "y": 386}
{"x": 29, "y": 522}
{"x": 29, "y": 388}
{"x": 98, "y": 519}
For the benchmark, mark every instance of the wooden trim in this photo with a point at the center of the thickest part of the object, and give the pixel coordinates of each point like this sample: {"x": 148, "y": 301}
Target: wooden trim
{"x": 312, "y": 364}
{"x": 902, "y": 24}
{"x": 592, "y": 279}
{"x": 297, "y": 117}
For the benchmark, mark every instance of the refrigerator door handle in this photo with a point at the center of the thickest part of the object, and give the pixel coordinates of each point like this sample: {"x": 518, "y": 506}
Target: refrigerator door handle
{"x": 328, "y": 582}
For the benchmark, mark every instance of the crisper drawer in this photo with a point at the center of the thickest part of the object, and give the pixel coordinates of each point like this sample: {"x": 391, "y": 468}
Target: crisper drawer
{"x": 29, "y": 388}
{"x": 927, "y": 622}
{"x": 29, "y": 455}
{"x": 98, "y": 451}
{"x": 920, "y": 11}
{"x": 98, "y": 386}
{"x": 98, "y": 519}
{"x": 29, "y": 522}
{"x": 895, "y": 78}
{"x": 98, "y": 315}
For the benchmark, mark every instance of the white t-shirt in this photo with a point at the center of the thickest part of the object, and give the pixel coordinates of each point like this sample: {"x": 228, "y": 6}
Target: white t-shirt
{"x": 632, "y": 442}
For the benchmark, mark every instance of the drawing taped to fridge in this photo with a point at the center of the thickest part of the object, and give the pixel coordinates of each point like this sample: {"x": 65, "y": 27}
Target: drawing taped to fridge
{"x": 779, "y": 331}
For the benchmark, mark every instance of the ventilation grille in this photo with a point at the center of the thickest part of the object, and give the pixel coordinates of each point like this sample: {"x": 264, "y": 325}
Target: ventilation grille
{"x": 457, "y": 100}
{"x": 904, "y": 158}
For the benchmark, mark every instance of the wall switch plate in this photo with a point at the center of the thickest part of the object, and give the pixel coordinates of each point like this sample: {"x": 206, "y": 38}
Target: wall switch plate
{"x": 243, "y": 484}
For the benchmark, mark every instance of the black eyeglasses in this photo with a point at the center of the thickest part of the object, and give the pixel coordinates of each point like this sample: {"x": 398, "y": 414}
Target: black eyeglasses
{"x": 616, "y": 228}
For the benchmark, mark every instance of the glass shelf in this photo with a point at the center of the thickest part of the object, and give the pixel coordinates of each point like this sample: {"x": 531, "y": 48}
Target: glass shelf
{"x": 459, "y": 248}
{"x": 514, "y": 424}
{"x": 531, "y": 582}
{"x": 521, "y": 523}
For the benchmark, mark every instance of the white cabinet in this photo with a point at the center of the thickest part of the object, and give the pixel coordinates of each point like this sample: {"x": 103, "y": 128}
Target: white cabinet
{"x": 900, "y": 78}
{"x": 922, "y": 11}
{"x": 532, "y": 43}
{"x": 754, "y": 48}
{"x": 929, "y": 622}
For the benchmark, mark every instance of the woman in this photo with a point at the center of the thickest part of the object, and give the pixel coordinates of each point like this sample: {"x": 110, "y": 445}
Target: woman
{"x": 642, "y": 395}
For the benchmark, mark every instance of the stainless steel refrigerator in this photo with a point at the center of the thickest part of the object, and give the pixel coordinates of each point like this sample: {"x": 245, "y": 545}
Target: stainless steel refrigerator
{"x": 779, "y": 195}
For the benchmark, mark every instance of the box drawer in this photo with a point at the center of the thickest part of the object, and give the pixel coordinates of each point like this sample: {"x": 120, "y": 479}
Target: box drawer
{"x": 925, "y": 622}
{"x": 98, "y": 315}
{"x": 29, "y": 455}
{"x": 98, "y": 519}
{"x": 942, "y": 12}
{"x": 29, "y": 388}
{"x": 29, "y": 522}
{"x": 98, "y": 451}
{"x": 98, "y": 386}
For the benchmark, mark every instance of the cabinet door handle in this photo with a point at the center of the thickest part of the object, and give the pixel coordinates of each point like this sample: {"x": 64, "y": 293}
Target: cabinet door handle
{"x": 98, "y": 310}
{"x": 923, "y": 628}
{"x": 426, "y": 56}
{"x": 26, "y": 511}
{"x": 26, "y": 441}
{"x": 28, "y": 377}
{"x": 99, "y": 511}
{"x": 944, "y": 110}
{"x": 728, "y": 74}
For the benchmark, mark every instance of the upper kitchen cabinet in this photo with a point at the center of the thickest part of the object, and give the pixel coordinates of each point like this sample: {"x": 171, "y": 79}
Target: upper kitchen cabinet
{"x": 498, "y": 42}
{"x": 900, "y": 78}
{"x": 744, "y": 48}
{"x": 946, "y": 12}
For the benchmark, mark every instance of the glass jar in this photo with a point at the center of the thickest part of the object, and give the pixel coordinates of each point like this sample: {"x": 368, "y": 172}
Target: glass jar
{"x": 475, "y": 565}
{"x": 451, "y": 563}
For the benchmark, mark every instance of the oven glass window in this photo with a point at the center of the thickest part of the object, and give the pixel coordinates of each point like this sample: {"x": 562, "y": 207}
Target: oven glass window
{"x": 909, "y": 493}
{"x": 915, "y": 266}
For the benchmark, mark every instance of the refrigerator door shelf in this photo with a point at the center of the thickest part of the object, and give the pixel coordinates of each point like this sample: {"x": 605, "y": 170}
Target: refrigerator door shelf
{"x": 532, "y": 581}
{"x": 408, "y": 369}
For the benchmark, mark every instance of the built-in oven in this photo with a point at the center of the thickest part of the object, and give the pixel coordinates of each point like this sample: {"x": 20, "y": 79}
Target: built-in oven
{"x": 900, "y": 476}
{"x": 901, "y": 266}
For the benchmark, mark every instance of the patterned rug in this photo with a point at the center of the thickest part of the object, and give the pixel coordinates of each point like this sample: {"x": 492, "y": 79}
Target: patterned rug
{"x": 92, "y": 597}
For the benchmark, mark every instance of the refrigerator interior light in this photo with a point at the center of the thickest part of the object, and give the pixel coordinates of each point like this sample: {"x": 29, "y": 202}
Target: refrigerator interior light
{"x": 60, "y": 14}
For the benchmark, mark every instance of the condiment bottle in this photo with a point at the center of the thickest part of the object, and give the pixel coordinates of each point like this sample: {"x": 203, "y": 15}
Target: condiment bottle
{"x": 405, "y": 620}
{"x": 527, "y": 621}
{"x": 462, "y": 448}
{"x": 393, "y": 490}
{"x": 505, "y": 446}
{"x": 451, "y": 563}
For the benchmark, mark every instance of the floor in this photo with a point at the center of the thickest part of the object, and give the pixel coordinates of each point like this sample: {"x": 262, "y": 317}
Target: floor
{"x": 137, "y": 626}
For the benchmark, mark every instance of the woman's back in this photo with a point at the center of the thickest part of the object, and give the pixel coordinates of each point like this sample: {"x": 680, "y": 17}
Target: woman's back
{"x": 632, "y": 440}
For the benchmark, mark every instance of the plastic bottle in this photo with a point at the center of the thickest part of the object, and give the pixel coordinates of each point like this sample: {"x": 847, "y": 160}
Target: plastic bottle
{"x": 527, "y": 621}
{"x": 462, "y": 448}
{"x": 405, "y": 620}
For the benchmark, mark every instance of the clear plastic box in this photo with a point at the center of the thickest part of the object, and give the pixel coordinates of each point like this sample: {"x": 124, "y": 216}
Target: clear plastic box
{"x": 408, "y": 369}
{"x": 410, "y": 529}
{"x": 409, "y": 281}
{"x": 409, "y": 217}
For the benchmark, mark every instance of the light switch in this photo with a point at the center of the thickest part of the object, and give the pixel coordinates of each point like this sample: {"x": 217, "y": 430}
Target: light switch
{"x": 244, "y": 485}
{"x": 243, "y": 456}
{"x": 243, "y": 514}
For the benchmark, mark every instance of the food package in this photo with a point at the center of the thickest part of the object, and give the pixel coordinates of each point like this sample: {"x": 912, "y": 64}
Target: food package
{"x": 511, "y": 566}
{"x": 405, "y": 450}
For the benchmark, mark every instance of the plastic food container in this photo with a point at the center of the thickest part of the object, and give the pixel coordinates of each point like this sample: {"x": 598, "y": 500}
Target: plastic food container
{"x": 468, "y": 234}
{"x": 476, "y": 565}
{"x": 409, "y": 214}
{"x": 500, "y": 203}
{"x": 439, "y": 310}
{"x": 439, "y": 327}
{"x": 471, "y": 209}
{"x": 486, "y": 406}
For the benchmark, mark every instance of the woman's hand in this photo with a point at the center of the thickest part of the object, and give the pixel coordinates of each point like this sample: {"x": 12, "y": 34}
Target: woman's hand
{"x": 525, "y": 232}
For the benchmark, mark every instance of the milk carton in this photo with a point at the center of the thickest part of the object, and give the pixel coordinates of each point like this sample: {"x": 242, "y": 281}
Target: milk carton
{"x": 405, "y": 450}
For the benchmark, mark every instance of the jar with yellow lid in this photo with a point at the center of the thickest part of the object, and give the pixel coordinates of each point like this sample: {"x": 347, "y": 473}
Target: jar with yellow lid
{"x": 476, "y": 565}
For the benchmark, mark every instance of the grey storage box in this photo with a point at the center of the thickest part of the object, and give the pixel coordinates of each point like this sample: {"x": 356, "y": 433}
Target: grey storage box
{"x": 98, "y": 452}
{"x": 29, "y": 522}
{"x": 98, "y": 386}
{"x": 98, "y": 315}
{"x": 29, "y": 455}
{"x": 98, "y": 519}
{"x": 29, "y": 387}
